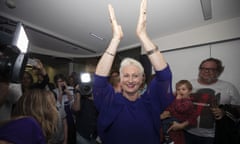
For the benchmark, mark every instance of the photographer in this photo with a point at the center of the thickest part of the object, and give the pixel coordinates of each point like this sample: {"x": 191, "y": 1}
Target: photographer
{"x": 19, "y": 129}
{"x": 12, "y": 91}
{"x": 86, "y": 116}
{"x": 65, "y": 98}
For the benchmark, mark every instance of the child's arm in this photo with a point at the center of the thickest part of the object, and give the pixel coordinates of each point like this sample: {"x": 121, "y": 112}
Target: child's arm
{"x": 165, "y": 114}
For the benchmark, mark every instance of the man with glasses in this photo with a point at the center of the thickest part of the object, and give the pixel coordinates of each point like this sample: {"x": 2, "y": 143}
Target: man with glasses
{"x": 208, "y": 93}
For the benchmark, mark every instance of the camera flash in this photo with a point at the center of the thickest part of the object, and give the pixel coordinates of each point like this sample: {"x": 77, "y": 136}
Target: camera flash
{"x": 85, "y": 77}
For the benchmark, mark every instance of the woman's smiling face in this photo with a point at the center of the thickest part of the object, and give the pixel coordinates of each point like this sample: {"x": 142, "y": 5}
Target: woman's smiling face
{"x": 131, "y": 79}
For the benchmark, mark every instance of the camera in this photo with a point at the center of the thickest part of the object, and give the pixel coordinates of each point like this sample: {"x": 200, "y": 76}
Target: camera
{"x": 12, "y": 68}
{"x": 85, "y": 84}
{"x": 13, "y": 56}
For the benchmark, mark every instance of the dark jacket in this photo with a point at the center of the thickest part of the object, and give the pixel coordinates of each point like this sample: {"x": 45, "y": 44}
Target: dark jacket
{"x": 228, "y": 128}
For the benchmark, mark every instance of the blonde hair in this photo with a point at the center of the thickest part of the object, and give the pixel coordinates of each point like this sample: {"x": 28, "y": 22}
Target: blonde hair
{"x": 131, "y": 61}
{"x": 40, "y": 105}
{"x": 184, "y": 82}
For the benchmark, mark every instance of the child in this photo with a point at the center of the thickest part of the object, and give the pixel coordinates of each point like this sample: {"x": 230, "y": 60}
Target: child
{"x": 181, "y": 112}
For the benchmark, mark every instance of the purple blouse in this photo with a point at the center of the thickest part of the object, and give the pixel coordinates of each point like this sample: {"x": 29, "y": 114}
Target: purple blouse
{"x": 122, "y": 121}
{"x": 24, "y": 130}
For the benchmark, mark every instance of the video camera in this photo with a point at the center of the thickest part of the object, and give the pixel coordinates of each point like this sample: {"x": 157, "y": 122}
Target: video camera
{"x": 13, "y": 56}
{"x": 85, "y": 84}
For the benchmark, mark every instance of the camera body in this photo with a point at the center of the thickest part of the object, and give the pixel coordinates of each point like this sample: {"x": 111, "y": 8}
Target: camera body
{"x": 12, "y": 65}
{"x": 85, "y": 84}
{"x": 86, "y": 89}
{"x": 13, "y": 57}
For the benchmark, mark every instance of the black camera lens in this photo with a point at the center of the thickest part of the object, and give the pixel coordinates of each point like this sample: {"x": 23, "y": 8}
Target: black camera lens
{"x": 85, "y": 89}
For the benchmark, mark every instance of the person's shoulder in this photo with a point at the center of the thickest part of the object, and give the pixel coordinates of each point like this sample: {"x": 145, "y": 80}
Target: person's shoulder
{"x": 22, "y": 122}
{"x": 29, "y": 122}
{"x": 25, "y": 119}
{"x": 223, "y": 81}
{"x": 226, "y": 83}
{"x": 20, "y": 127}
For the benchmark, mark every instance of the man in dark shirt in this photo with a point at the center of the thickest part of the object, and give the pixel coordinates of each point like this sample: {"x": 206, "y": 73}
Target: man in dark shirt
{"x": 86, "y": 118}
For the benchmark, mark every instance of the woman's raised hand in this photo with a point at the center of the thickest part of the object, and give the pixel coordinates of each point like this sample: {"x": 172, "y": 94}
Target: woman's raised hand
{"x": 142, "y": 20}
{"x": 116, "y": 28}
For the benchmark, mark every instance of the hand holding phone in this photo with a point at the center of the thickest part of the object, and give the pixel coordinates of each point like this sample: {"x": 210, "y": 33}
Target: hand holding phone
{"x": 63, "y": 88}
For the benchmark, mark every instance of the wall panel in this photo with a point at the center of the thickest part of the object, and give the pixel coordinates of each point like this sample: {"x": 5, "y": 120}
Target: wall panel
{"x": 184, "y": 62}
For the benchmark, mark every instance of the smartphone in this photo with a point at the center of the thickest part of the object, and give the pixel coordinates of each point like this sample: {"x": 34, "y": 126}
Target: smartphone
{"x": 63, "y": 88}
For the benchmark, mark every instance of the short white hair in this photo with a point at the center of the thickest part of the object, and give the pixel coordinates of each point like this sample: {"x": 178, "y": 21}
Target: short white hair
{"x": 130, "y": 61}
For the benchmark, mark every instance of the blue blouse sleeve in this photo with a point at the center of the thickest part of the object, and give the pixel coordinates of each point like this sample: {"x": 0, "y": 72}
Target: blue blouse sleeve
{"x": 160, "y": 90}
{"x": 103, "y": 92}
{"x": 107, "y": 102}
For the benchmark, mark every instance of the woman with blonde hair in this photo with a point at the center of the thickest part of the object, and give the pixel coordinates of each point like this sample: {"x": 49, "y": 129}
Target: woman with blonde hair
{"x": 39, "y": 105}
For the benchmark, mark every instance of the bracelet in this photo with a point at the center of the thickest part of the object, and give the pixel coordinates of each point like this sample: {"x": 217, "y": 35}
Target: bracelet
{"x": 111, "y": 54}
{"x": 152, "y": 51}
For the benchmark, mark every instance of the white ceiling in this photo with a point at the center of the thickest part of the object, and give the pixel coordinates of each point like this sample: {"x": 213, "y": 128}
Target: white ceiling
{"x": 63, "y": 27}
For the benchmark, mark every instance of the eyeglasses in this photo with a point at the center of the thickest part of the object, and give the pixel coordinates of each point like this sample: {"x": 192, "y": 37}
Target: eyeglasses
{"x": 208, "y": 69}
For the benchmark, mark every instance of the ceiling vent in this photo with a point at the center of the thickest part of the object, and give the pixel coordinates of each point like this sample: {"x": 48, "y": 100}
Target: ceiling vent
{"x": 206, "y": 9}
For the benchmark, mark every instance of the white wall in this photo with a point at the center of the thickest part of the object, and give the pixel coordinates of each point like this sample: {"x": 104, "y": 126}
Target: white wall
{"x": 229, "y": 53}
{"x": 185, "y": 50}
{"x": 184, "y": 62}
{"x": 220, "y": 31}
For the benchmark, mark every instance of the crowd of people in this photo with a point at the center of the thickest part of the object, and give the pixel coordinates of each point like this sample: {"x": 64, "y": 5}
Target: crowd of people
{"x": 122, "y": 107}
{"x": 47, "y": 112}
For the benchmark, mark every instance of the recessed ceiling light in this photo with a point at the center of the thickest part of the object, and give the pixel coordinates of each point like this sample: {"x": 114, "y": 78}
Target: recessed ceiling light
{"x": 96, "y": 36}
